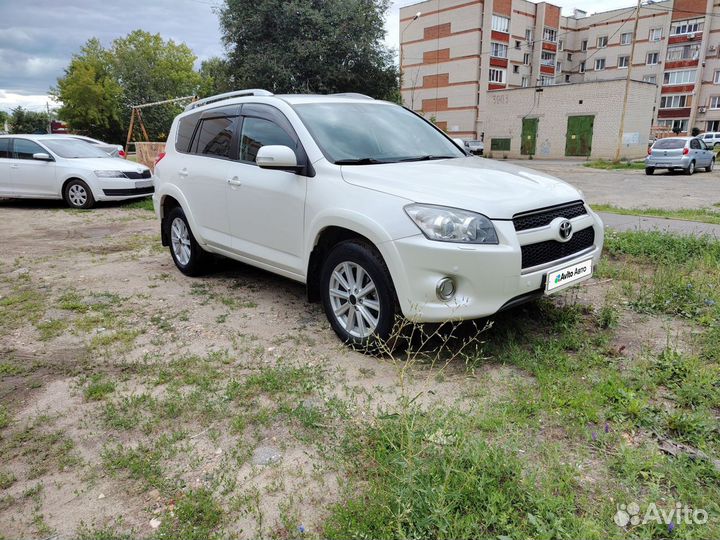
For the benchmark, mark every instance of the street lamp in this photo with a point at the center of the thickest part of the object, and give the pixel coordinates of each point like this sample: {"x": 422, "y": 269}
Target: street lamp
{"x": 402, "y": 38}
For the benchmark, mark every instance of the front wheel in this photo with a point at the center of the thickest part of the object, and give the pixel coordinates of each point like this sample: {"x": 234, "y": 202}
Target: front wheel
{"x": 649, "y": 170}
{"x": 358, "y": 295}
{"x": 78, "y": 194}
{"x": 189, "y": 257}
{"x": 690, "y": 169}
{"x": 710, "y": 167}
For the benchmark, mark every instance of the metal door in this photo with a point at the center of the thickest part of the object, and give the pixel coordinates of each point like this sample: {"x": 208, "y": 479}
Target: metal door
{"x": 529, "y": 136}
{"x": 579, "y": 135}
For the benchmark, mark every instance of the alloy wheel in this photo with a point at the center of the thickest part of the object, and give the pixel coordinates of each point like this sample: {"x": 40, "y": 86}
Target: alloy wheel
{"x": 354, "y": 299}
{"x": 180, "y": 240}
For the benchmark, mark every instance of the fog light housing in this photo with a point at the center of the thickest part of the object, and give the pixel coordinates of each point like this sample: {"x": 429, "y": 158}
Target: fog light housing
{"x": 445, "y": 289}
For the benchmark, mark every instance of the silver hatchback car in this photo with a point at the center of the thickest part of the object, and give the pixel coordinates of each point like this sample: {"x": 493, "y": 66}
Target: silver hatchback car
{"x": 686, "y": 153}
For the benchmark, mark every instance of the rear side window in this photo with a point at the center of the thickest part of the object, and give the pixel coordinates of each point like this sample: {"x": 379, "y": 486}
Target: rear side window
{"x": 4, "y": 148}
{"x": 25, "y": 149}
{"x": 214, "y": 136}
{"x": 708, "y": 135}
{"x": 695, "y": 144}
{"x": 186, "y": 128}
{"x": 258, "y": 132}
{"x": 669, "y": 144}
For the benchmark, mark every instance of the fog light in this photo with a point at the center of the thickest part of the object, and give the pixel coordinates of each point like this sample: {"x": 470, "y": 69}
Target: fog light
{"x": 445, "y": 289}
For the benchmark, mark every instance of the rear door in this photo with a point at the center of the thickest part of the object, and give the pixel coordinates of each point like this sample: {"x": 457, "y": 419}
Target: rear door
{"x": 697, "y": 152}
{"x": 6, "y": 188}
{"x": 32, "y": 177}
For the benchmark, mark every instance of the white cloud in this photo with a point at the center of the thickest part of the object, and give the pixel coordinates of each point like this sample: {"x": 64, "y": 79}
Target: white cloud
{"x": 38, "y": 102}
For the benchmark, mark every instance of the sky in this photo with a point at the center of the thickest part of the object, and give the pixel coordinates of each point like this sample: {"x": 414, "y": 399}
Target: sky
{"x": 38, "y": 37}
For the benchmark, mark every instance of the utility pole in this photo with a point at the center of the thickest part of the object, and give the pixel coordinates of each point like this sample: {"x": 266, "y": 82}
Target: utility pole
{"x": 627, "y": 83}
{"x": 402, "y": 37}
{"x": 47, "y": 107}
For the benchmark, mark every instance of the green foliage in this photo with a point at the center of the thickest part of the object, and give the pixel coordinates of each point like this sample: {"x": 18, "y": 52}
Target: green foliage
{"x": 215, "y": 77}
{"x": 24, "y": 121}
{"x": 302, "y": 46}
{"x": 197, "y": 516}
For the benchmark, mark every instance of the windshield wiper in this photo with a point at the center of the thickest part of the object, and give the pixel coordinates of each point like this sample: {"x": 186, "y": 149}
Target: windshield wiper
{"x": 426, "y": 157}
{"x": 359, "y": 161}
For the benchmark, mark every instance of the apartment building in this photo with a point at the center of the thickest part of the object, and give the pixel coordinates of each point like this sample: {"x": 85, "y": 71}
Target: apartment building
{"x": 457, "y": 53}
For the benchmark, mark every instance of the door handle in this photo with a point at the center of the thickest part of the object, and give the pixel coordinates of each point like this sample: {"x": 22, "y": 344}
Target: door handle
{"x": 183, "y": 172}
{"x": 234, "y": 181}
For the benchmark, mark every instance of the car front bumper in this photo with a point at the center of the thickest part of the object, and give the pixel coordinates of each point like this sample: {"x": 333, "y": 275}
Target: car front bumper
{"x": 488, "y": 278}
{"x": 115, "y": 189}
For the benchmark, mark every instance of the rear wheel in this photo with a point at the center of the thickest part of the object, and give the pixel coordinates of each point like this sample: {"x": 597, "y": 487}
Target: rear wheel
{"x": 187, "y": 254}
{"x": 710, "y": 167}
{"x": 690, "y": 168}
{"x": 358, "y": 295}
{"x": 77, "y": 194}
{"x": 649, "y": 170}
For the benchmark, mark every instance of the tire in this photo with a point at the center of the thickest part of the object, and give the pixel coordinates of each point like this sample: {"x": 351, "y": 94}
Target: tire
{"x": 649, "y": 170}
{"x": 377, "y": 307}
{"x": 710, "y": 167}
{"x": 187, "y": 254}
{"x": 690, "y": 170}
{"x": 77, "y": 194}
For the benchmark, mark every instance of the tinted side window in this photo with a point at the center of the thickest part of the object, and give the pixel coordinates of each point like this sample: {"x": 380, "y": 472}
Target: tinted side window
{"x": 214, "y": 136}
{"x": 695, "y": 144}
{"x": 25, "y": 149}
{"x": 4, "y": 148}
{"x": 258, "y": 132}
{"x": 186, "y": 128}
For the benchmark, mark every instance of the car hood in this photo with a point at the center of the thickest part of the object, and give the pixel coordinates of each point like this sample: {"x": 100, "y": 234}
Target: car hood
{"x": 107, "y": 164}
{"x": 496, "y": 189}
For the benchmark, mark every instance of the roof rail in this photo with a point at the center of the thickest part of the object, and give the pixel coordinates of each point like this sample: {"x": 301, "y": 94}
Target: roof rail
{"x": 353, "y": 95}
{"x": 228, "y": 95}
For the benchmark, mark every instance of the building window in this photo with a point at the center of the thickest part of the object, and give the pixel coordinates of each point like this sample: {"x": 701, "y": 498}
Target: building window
{"x": 652, "y": 58}
{"x": 689, "y": 26}
{"x": 582, "y": 67}
{"x": 602, "y": 42}
{"x": 683, "y": 52}
{"x": 623, "y": 62}
{"x": 716, "y": 77}
{"x": 545, "y": 80}
{"x": 680, "y": 77}
{"x": 569, "y": 57}
{"x": 517, "y": 45}
{"x": 498, "y": 50}
{"x": 526, "y": 59}
{"x": 715, "y": 102}
{"x": 567, "y": 78}
{"x": 516, "y": 69}
{"x": 626, "y": 38}
{"x": 674, "y": 102}
{"x": 497, "y": 76}
{"x": 650, "y": 78}
{"x": 674, "y": 125}
{"x": 599, "y": 64}
{"x": 528, "y": 34}
{"x": 547, "y": 58}
{"x": 583, "y": 45}
{"x": 525, "y": 82}
{"x": 655, "y": 34}
{"x": 500, "y": 24}
{"x": 712, "y": 125}
{"x": 558, "y": 67}
{"x": 549, "y": 35}
{"x": 561, "y": 45}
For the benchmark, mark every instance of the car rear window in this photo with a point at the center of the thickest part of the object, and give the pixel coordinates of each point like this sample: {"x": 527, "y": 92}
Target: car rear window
{"x": 669, "y": 144}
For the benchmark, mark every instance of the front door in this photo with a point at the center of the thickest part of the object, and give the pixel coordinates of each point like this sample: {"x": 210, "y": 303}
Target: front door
{"x": 529, "y": 136}
{"x": 5, "y": 180}
{"x": 579, "y": 135}
{"x": 266, "y": 207}
{"x": 32, "y": 177}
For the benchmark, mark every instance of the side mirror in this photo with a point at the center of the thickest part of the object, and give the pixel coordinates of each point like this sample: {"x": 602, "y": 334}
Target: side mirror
{"x": 277, "y": 157}
{"x": 42, "y": 156}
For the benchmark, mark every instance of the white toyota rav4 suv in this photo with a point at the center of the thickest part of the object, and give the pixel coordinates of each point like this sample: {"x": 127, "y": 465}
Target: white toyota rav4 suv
{"x": 376, "y": 210}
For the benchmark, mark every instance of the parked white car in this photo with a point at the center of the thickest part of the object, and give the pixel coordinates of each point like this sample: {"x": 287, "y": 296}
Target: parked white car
{"x": 376, "y": 210}
{"x": 113, "y": 150}
{"x": 712, "y": 139}
{"x": 56, "y": 167}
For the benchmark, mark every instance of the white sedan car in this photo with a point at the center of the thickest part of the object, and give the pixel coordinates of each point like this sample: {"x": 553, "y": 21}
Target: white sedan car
{"x": 52, "y": 167}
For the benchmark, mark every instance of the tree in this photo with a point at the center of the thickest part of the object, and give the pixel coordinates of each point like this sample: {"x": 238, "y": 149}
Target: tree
{"x": 4, "y": 116}
{"x": 91, "y": 95}
{"x": 321, "y": 46}
{"x": 215, "y": 77}
{"x": 24, "y": 121}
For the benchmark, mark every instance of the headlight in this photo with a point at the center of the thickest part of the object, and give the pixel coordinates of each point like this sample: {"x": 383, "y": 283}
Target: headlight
{"x": 452, "y": 224}
{"x": 110, "y": 174}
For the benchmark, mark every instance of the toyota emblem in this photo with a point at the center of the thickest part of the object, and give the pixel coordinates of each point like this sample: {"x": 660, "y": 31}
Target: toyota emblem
{"x": 565, "y": 230}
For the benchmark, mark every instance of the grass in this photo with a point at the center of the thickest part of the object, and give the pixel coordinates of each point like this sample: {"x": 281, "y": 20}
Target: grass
{"x": 700, "y": 215}
{"x": 620, "y": 165}
{"x": 140, "y": 204}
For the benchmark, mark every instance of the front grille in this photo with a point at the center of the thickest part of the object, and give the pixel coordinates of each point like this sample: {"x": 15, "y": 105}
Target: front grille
{"x": 138, "y": 176}
{"x": 552, "y": 250}
{"x": 128, "y": 192}
{"x": 542, "y": 217}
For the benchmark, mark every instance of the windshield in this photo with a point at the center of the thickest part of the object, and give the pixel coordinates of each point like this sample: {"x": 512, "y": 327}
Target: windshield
{"x": 360, "y": 133}
{"x": 669, "y": 144}
{"x": 73, "y": 148}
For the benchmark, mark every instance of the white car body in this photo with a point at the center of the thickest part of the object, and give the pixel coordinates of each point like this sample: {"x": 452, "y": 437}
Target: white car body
{"x": 113, "y": 150}
{"x": 276, "y": 219}
{"x": 46, "y": 179}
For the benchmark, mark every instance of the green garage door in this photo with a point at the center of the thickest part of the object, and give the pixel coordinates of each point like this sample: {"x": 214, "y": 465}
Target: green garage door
{"x": 529, "y": 136}
{"x": 579, "y": 135}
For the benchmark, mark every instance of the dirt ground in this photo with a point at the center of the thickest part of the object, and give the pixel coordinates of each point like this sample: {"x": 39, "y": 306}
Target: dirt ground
{"x": 100, "y": 295}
